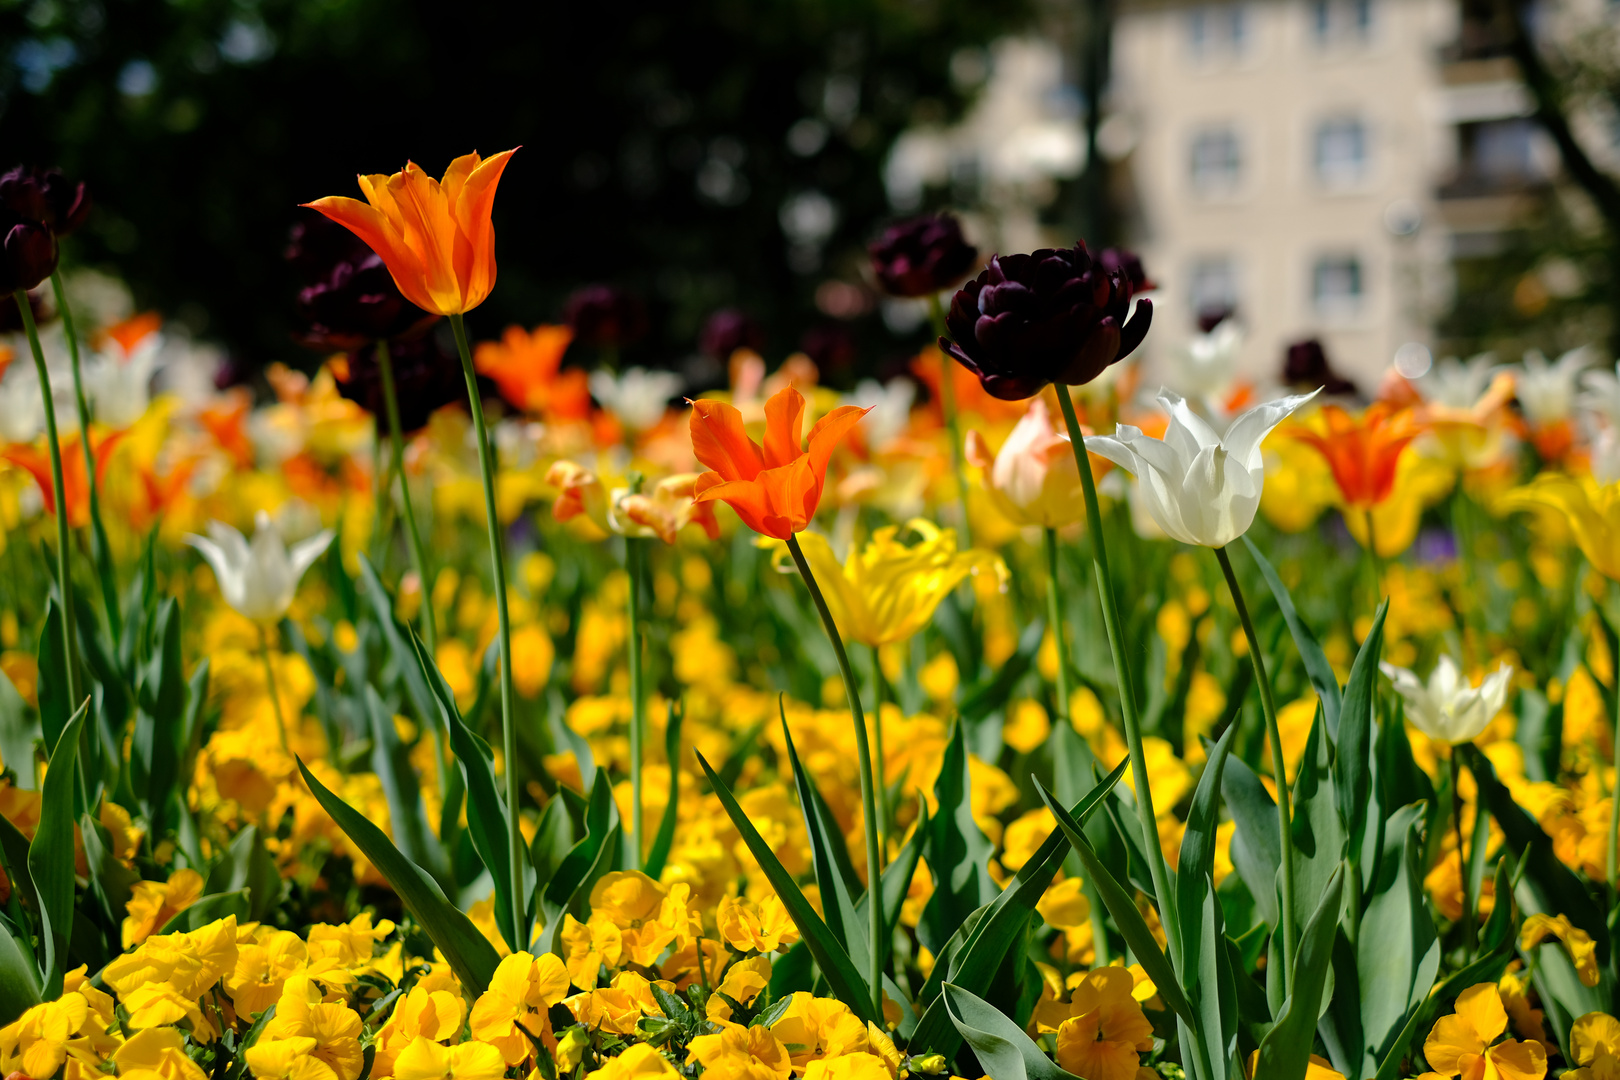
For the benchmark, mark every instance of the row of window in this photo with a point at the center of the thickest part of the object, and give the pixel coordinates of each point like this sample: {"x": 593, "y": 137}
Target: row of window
{"x": 1336, "y": 286}
{"x": 1339, "y": 156}
{"x": 1225, "y": 32}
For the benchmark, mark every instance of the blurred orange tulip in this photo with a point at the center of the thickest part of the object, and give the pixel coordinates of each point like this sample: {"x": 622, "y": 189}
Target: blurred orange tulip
{"x": 75, "y": 481}
{"x": 527, "y": 369}
{"x": 435, "y": 236}
{"x": 1363, "y": 452}
{"x": 775, "y": 490}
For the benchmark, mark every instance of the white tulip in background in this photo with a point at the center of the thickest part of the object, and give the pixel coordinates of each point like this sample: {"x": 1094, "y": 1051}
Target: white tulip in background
{"x": 258, "y": 579}
{"x": 1448, "y": 709}
{"x": 1457, "y": 384}
{"x": 889, "y": 409}
{"x": 1204, "y": 369}
{"x": 1200, "y": 488}
{"x": 638, "y": 397}
{"x": 1546, "y": 388}
{"x": 120, "y": 387}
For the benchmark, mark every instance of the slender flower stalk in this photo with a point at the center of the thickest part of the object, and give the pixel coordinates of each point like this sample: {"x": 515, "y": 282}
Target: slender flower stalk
{"x": 635, "y": 561}
{"x": 1054, "y": 617}
{"x": 881, "y": 764}
{"x": 1470, "y": 930}
{"x": 497, "y": 559}
{"x": 270, "y": 687}
{"x": 874, "y": 873}
{"x": 413, "y": 536}
{"x": 98, "y": 533}
{"x": 1285, "y": 828}
{"x": 1122, "y": 674}
{"x": 947, "y": 405}
{"x": 64, "y": 580}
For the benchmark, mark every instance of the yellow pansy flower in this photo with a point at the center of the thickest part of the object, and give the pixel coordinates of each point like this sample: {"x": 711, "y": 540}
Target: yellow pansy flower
{"x": 287, "y": 1059}
{"x": 1594, "y": 1043}
{"x": 336, "y": 1028}
{"x": 748, "y": 926}
{"x": 514, "y": 1007}
{"x": 425, "y": 1059}
{"x": 156, "y": 1053}
{"x": 1580, "y": 946}
{"x": 153, "y": 903}
{"x": 751, "y": 1051}
{"x": 639, "y": 1061}
{"x": 36, "y": 1043}
{"x": 1460, "y": 1044}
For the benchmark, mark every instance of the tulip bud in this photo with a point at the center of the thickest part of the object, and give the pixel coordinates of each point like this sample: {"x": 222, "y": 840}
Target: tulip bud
{"x": 45, "y": 196}
{"x": 1306, "y": 367}
{"x": 27, "y": 253}
{"x": 728, "y": 330}
{"x": 605, "y": 316}
{"x": 929, "y": 1064}
{"x": 1054, "y": 316}
{"x": 922, "y": 256}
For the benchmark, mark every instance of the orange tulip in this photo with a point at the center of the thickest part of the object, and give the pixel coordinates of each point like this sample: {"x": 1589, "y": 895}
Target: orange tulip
{"x": 434, "y": 236}
{"x": 527, "y": 369}
{"x": 1363, "y": 452}
{"x": 75, "y": 482}
{"x": 775, "y": 490}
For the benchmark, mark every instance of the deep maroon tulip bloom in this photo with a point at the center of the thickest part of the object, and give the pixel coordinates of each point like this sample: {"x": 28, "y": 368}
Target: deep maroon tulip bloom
{"x": 1307, "y": 368}
{"x": 355, "y": 304}
{"x": 1128, "y": 263}
{"x": 45, "y": 196}
{"x": 425, "y": 378}
{"x": 728, "y": 330}
{"x": 605, "y": 316}
{"x": 27, "y": 252}
{"x": 922, "y": 255}
{"x": 1053, "y": 316}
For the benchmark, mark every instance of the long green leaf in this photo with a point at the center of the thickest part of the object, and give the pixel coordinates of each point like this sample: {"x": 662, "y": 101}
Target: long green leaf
{"x": 471, "y": 956}
{"x": 836, "y": 966}
{"x": 1123, "y": 908}
{"x": 52, "y": 685}
{"x": 407, "y": 816}
{"x": 958, "y": 851}
{"x": 247, "y": 866}
{"x": 1256, "y": 848}
{"x": 1317, "y": 667}
{"x": 570, "y": 884}
{"x": 1352, "y": 763}
{"x": 160, "y": 696}
{"x": 834, "y": 877}
{"x": 1003, "y": 923}
{"x": 399, "y": 643}
{"x": 50, "y": 855}
{"x": 489, "y": 819}
{"x": 1285, "y": 1054}
{"x": 1003, "y": 1050}
{"x": 19, "y": 978}
{"x": 1398, "y": 952}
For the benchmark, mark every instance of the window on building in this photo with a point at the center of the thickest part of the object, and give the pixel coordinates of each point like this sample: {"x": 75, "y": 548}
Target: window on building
{"x": 1340, "y": 152}
{"x": 1336, "y": 286}
{"x": 1212, "y": 286}
{"x": 1341, "y": 22}
{"x": 1217, "y": 162}
{"x": 1217, "y": 31}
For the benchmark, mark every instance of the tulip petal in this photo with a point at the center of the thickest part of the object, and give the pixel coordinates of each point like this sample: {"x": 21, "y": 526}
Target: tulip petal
{"x": 1249, "y": 430}
{"x": 720, "y": 442}
{"x": 784, "y": 426}
{"x": 304, "y": 553}
{"x": 748, "y": 499}
{"x": 828, "y": 432}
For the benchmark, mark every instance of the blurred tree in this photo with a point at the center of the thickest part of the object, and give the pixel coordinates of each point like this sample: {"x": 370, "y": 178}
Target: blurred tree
{"x": 706, "y": 153}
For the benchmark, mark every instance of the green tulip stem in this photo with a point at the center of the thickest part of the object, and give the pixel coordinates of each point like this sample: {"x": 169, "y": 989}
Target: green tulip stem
{"x": 98, "y": 534}
{"x": 635, "y": 563}
{"x": 486, "y": 465}
{"x": 1285, "y": 828}
{"x": 947, "y": 406}
{"x": 64, "y": 580}
{"x": 1127, "y": 692}
{"x": 874, "y": 873}
{"x": 271, "y": 689}
{"x": 880, "y": 766}
{"x": 1470, "y": 931}
{"x": 1376, "y": 559}
{"x": 413, "y": 536}
{"x": 1054, "y": 616}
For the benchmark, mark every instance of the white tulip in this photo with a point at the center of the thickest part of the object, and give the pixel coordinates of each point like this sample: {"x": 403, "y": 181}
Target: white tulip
{"x": 258, "y": 579}
{"x": 1448, "y": 709}
{"x": 1547, "y": 388}
{"x": 1200, "y": 488}
{"x": 639, "y": 398}
{"x": 888, "y": 409}
{"x": 120, "y": 387}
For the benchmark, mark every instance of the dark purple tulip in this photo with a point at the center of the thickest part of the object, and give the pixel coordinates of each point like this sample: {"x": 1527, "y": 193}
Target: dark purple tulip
{"x": 1128, "y": 263}
{"x": 728, "y": 330}
{"x": 922, "y": 255}
{"x": 45, "y": 196}
{"x": 830, "y": 345}
{"x": 357, "y": 303}
{"x": 605, "y": 316}
{"x": 316, "y": 244}
{"x": 425, "y": 378}
{"x": 1307, "y": 368}
{"x": 27, "y": 252}
{"x": 1053, "y": 316}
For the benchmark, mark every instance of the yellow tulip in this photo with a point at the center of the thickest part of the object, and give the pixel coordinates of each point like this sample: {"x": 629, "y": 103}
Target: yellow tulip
{"x": 887, "y": 591}
{"x": 1593, "y": 514}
